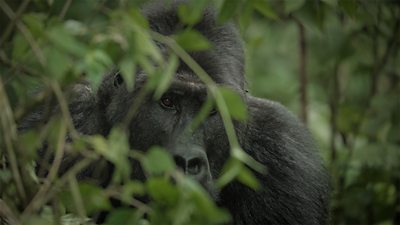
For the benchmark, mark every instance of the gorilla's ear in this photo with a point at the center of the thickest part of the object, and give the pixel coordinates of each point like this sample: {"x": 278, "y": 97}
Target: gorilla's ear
{"x": 118, "y": 80}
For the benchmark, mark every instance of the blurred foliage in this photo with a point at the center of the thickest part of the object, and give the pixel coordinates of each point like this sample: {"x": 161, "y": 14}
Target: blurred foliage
{"x": 347, "y": 48}
{"x": 353, "y": 70}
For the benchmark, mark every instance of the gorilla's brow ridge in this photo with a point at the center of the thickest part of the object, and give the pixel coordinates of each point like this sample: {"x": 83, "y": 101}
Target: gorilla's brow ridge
{"x": 181, "y": 84}
{"x": 189, "y": 87}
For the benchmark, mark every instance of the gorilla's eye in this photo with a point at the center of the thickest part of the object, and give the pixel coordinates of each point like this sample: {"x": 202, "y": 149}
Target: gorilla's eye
{"x": 118, "y": 80}
{"x": 167, "y": 102}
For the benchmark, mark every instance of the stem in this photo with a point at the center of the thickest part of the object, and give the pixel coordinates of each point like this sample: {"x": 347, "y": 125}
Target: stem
{"x": 64, "y": 108}
{"x": 7, "y": 214}
{"x": 25, "y": 32}
{"x": 236, "y": 150}
{"x": 42, "y": 198}
{"x": 13, "y": 20}
{"x": 65, "y": 9}
{"x": 303, "y": 72}
{"x": 334, "y": 104}
{"x": 77, "y": 197}
{"x": 210, "y": 84}
{"x": 10, "y": 136}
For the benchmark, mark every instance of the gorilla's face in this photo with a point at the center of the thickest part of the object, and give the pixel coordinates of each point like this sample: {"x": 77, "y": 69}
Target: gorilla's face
{"x": 170, "y": 122}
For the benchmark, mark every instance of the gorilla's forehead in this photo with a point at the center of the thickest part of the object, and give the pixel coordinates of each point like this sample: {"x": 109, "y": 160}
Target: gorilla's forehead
{"x": 187, "y": 77}
{"x": 184, "y": 83}
{"x": 224, "y": 61}
{"x": 188, "y": 83}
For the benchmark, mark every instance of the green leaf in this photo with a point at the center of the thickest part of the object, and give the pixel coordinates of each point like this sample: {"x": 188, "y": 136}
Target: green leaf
{"x": 102, "y": 57}
{"x": 128, "y": 71}
{"x": 130, "y": 31}
{"x": 235, "y": 104}
{"x": 162, "y": 191}
{"x": 144, "y": 45}
{"x": 71, "y": 219}
{"x": 235, "y": 169}
{"x": 192, "y": 40}
{"x": 29, "y": 142}
{"x": 332, "y": 3}
{"x": 79, "y": 144}
{"x": 115, "y": 149}
{"x": 20, "y": 47}
{"x": 157, "y": 161}
{"x": 96, "y": 64}
{"x": 39, "y": 220}
{"x": 349, "y": 6}
{"x": 348, "y": 117}
{"x": 247, "y": 177}
{"x": 58, "y": 63}
{"x": 229, "y": 172}
{"x": 240, "y": 154}
{"x": 228, "y": 9}
{"x": 57, "y": 128}
{"x": 147, "y": 66}
{"x": 66, "y": 42}
{"x": 138, "y": 18}
{"x": 100, "y": 145}
{"x": 94, "y": 198}
{"x": 130, "y": 189}
{"x": 265, "y": 9}
{"x": 293, "y": 5}
{"x": 185, "y": 16}
{"x": 154, "y": 80}
{"x": 246, "y": 16}
{"x": 123, "y": 216}
{"x": 75, "y": 27}
{"x": 202, "y": 115}
{"x": 167, "y": 76}
{"x": 118, "y": 149}
{"x": 35, "y": 22}
{"x": 312, "y": 15}
{"x": 205, "y": 206}
{"x": 191, "y": 12}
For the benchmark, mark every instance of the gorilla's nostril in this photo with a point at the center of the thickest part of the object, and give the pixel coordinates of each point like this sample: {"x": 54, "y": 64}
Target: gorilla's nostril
{"x": 180, "y": 162}
{"x": 194, "y": 166}
{"x": 189, "y": 167}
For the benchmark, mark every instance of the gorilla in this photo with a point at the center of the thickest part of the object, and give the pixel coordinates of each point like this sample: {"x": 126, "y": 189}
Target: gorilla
{"x": 294, "y": 190}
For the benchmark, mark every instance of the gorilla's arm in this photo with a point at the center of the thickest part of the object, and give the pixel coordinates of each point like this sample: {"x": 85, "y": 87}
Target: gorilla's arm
{"x": 82, "y": 105}
{"x": 294, "y": 190}
{"x": 87, "y": 118}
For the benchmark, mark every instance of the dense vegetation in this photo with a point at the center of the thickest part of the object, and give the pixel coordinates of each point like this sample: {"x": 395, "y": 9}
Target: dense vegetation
{"x": 335, "y": 62}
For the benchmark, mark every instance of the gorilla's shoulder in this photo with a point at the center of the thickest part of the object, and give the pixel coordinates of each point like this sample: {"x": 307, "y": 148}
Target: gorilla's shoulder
{"x": 277, "y": 137}
{"x": 272, "y": 124}
{"x": 267, "y": 113}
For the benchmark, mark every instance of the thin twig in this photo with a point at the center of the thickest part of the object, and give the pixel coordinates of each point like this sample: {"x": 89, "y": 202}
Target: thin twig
{"x": 40, "y": 199}
{"x": 43, "y": 190}
{"x": 7, "y": 214}
{"x": 77, "y": 197}
{"x": 236, "y": 150}
{"x": 64, "y": 108}
{"x": 333, "y": 105}
{"x": 12, "y": 22}
{"x": 132, "y": 201}
{"x": 25, "y": 32}
{"x": 65, "y": 9}
{"x": 380, "y": 64}
{"x": 303, "y": 72}
{"x": 10, "y": 136}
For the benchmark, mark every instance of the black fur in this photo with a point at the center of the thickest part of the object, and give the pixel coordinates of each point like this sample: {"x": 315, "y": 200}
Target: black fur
{"x": 295, "y": 188}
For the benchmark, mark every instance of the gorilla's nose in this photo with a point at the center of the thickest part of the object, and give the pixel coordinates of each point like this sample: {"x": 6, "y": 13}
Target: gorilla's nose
{"x": 192, "y": 160}
{"x": 191, "y": 165}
